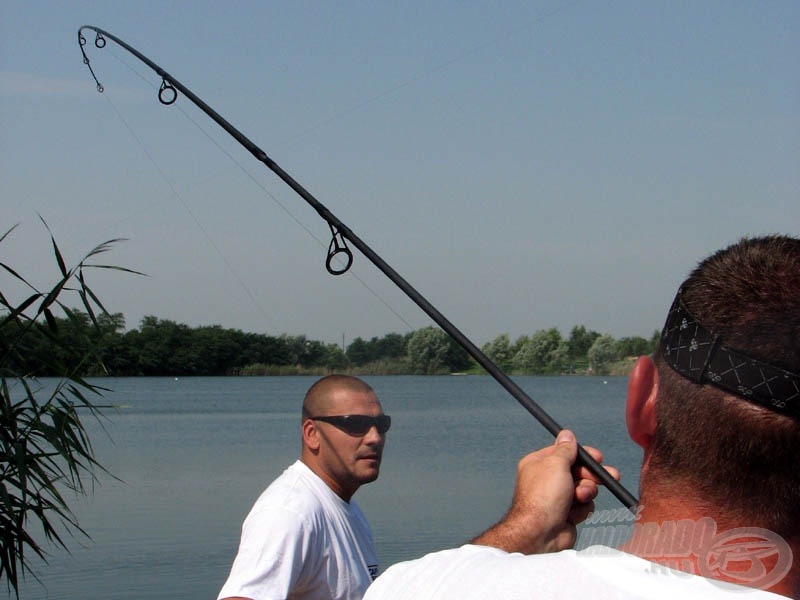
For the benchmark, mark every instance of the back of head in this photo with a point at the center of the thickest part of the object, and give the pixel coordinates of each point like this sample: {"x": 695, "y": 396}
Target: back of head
{"x": 713, "y": 443}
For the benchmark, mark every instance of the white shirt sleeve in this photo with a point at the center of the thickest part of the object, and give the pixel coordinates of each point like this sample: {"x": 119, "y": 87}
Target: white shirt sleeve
{"x": 274, "y": 555}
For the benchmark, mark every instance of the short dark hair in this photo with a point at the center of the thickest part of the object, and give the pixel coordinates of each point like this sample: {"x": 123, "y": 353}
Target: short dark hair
{"x": 323, "y": 387}
{"x": 729, "y": 451}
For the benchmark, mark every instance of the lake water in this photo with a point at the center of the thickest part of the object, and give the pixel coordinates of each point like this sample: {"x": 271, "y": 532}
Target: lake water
{"x": 192, "y": 454}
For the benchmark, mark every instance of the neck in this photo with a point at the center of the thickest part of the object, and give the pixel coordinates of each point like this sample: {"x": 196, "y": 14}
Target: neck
{"x": 705, "y": 540}
{"x": 345, "y": 493}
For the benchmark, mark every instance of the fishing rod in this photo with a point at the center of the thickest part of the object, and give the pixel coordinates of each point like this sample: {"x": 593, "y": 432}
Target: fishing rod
{"x": 338, "y": 250}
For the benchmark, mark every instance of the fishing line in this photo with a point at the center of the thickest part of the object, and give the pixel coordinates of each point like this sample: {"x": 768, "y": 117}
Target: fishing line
{"x": 291, "y": 215}
{"x": 261, "y": 186}
{"x": 341, "y": 234}
{"x": 441, "y": 66}
{"x": 189, "y": 210}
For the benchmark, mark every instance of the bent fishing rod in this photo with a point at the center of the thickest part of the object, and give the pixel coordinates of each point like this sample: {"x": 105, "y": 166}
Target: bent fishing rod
{"x": 338, "y": 250}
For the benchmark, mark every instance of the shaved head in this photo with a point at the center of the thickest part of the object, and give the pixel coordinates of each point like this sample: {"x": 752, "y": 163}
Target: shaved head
{"x": 321, "y": 397}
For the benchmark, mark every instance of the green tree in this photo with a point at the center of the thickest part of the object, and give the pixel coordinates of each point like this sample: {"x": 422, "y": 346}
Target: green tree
{"x": 314, "y": 354}
{"x": 499, "y": 351}
{"x": 335, "y": 358}
{"x": 427, "y": 351}
{"x": 457, "y": 359}
{"x": 217, "y": 350}
{"x": 44, "y": 448}
{"x": 164, "y": 348}
{"x": 358, "y": 352}
{"x": 655, "y": 341}
{"x": 602, "y": 353}
{"x": 579, "y": 342}
{"x": 283, "y": 352}
{"x": 295, "y": 347}
{"x": 392, "y": 345}
{"x": 264, "y": 349}
{"x": 542, "y": 353}
{"x": 113, "y": 354}
{"x": 633, "y": 346}
{"x": 559, "y": 359}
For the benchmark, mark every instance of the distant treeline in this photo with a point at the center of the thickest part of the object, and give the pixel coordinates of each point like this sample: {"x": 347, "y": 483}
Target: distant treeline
{"x": 161, "y": 347}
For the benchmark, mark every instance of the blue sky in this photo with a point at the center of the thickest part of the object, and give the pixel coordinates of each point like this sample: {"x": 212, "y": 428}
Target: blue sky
{"x": 523, "y": 164}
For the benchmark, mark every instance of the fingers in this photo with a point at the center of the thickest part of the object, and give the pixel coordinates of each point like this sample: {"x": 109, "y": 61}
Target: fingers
{"x": 584, "y": 473}
{"x": 594, "y": 453}
{"x": 566, "y": 448}
{"x": 581, "y": 472}
{"x": 586, "y": 490}
{"x": 561, "y": 457}
{"x": 586, "y": 482}
{"x": 579, "y": 512}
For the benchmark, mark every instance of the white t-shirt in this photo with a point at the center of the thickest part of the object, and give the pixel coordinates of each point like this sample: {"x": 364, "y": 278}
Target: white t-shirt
{"x": 599, "y": 573}
{"x": 301, "y": 540}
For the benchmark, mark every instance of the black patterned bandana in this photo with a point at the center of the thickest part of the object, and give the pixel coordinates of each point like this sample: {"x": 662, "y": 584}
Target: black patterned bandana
{"x": 699, "y": 355}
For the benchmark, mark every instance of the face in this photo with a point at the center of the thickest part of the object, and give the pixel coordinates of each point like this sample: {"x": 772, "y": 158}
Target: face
{"x": 345, "y": 461}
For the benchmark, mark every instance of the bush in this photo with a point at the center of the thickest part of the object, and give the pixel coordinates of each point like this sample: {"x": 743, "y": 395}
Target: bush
{"x": 44, "y": 448}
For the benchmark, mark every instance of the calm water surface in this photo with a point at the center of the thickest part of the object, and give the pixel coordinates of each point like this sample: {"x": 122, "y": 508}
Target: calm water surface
{"x": 192, "y": 455}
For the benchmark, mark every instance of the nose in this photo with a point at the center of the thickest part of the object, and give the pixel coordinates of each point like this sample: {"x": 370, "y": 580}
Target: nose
{"x": 373, "y": 436}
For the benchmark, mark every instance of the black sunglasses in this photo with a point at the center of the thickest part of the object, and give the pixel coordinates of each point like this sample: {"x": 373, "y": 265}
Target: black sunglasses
{"x": 358, "y": 424}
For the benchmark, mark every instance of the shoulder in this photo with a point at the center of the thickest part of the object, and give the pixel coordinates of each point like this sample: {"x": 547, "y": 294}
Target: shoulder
{"x": 437, "y": 573}
{"x": 477, "y": 572}
{"x": 293, "y": 494}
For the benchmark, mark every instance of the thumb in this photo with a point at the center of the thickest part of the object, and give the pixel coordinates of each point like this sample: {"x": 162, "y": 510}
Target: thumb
{"x": 567, "y": 445}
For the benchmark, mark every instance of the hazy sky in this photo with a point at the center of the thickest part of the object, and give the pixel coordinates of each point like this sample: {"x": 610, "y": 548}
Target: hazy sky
{"x": 523, "y": 164}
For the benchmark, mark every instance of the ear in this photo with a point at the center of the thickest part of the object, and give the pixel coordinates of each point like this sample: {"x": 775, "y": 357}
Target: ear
{"x": 310, "y": 435}
{"x": 640, "y": 413}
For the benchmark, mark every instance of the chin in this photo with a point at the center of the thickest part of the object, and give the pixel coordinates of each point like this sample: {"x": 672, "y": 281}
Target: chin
{"x": 369, "y": 476}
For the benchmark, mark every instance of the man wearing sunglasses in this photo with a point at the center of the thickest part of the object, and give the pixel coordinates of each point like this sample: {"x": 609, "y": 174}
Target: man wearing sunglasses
{"x": 305, "y": 537}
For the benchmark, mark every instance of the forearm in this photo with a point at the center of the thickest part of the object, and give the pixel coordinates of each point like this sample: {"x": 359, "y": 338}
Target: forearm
{"x": 515, "y": 533}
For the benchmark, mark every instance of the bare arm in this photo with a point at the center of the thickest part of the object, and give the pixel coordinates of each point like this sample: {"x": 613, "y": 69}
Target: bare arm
{"x": 551, "y": 497}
